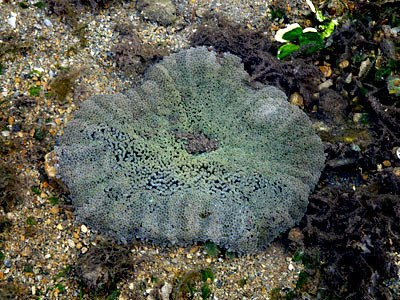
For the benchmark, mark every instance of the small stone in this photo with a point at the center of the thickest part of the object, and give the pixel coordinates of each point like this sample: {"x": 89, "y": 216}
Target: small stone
{"x": 365, "y": 67}
{"x": 344, "y": 64}
{"x": 349, "y": 78}
{"x": 357, "y": 117}
{"x": 291, "y": 267}
{"x": 47, "y": 256}
{"x": 71, "y": 243}
{"x": 79, "y": 245}
{"x": 54, "y": 210}
{"x": 12, "y": 20}
{"x": 296, "y": 235}
{"x": 200, "y": 12}
{"x": 84, "y": 250}
{"x": 11, "y": 120}
{"x": 7, "y": 263}
{"x": 49, "y": 165}
{"x": 387, "y": 163}
{"x": 396, "y": 152}
{"x": 5, "y": 133}
{"x": 297, "y": 99}
{"x": 47, "y": 22}
{"x": 326, "y": 70}
{"x": 355, "y": 147}
{"x": 33, "y": 289}
{"x": 84, "y": 229}
{"x": 166, "y": 291}
{"x": 325, "y": 84}
{"x": 60, "y": 227}
{"x": 26, "y": 252}
{"x": 396, "y": 171}
{"x": 194, "y": 249}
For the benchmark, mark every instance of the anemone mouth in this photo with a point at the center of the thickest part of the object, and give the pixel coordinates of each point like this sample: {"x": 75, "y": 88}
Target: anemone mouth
{"x": 197, "y": 142}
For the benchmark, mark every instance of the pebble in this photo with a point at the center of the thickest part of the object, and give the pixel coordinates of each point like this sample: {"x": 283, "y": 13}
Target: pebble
{"x": 326, "y": 70}
{"x": 349, "y": 78}
{"x": 84, "y": 250}
{"x": 12, "y": 20}
{"x": 60, "y": 227}
{"x": 297, "y": 99}
{"x": 47, "y": 22}
{"x": 344, "y": 64}
{"x": 84, "y": 229}
{"x": 7, "y": 263}
{"x": 355, "y": 147}
{"x": 71, "y": 243}
{"x": 396, "y": 151}
{"x": 5, "y": 133}
{"x": 325, "y": 84}
{"x": 166, "y": 291}
{"x": 365, "y": 67}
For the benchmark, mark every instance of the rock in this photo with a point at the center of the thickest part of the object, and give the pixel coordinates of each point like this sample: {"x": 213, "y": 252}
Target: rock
{"x": 26, "y": 251}
{"x": 295, "y": 235}
{"x": 49, "y": 165}
{"x": 326, "y": 70}
{"x": 7, "y": 263}
{"x": 344, "y": 64}
{"x": 349, "y": 78}
{"x": 166, "y": 291}
{"x": 297, "y": 99}
{"x": 84, "y": 229}
{"x": 388, "y": 48}
{"x": 47, "y": 22}
{"x": 365, "y": 67}
{"x": 333, "y": 106}
{"x": 325, "y": 85}
{"x": 71, "y": 243}
{"x": 12, "y": 20}
{"x": 5, "y": 133}
{"x": 396, "y": 152}
{"x": 393, "y": 85}
{"x": 160, "y": 11}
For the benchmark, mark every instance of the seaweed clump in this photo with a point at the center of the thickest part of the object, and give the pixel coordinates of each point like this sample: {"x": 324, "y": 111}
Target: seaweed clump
{"x": 12, "y": 291}
{"x": 356, "y": 231}
{"x": 69, "y": 7}
{"x": 103, "y": 266}
{"x": 130, "y": 54}
{"x": 9, "y": 194}
{"x": 63, "y": 84}
{"x": 259, "y": 56}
